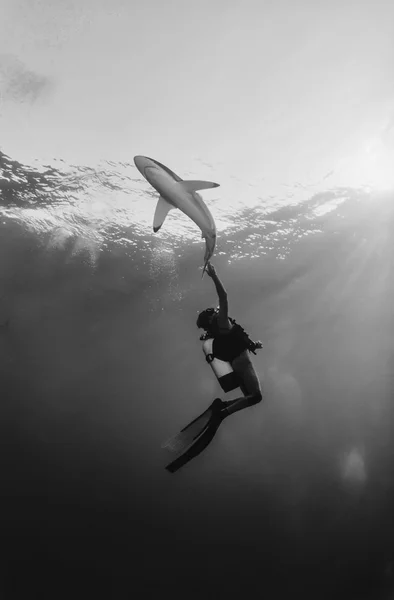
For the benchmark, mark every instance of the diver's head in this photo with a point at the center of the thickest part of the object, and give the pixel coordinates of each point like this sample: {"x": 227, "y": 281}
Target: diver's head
{"x": 206, "y": 318}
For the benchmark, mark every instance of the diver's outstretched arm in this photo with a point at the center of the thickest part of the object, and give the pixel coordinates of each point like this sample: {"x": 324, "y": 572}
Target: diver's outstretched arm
{"x": 222, "y": 294}
{"x": 215, "y": 277}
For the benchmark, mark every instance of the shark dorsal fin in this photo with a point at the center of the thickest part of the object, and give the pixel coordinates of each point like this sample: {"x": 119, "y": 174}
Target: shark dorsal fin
{"x": 192, "y": 185}
{"x": 161, "y": 212}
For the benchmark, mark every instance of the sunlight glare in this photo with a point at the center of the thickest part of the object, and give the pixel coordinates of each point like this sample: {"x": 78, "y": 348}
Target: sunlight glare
{"x": 376, "y": 165}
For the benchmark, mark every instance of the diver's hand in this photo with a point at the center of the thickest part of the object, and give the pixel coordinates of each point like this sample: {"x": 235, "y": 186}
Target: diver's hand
{"x": 255, "y": 346}
{"x": 211, "y": 270}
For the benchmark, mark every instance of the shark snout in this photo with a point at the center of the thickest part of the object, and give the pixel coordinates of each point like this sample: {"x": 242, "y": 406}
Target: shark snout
{"x": 142, "y": 163}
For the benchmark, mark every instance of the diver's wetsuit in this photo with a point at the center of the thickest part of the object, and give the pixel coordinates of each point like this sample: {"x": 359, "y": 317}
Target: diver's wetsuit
{"x": 230, "y": 344}
{"x": 227, "y": 345}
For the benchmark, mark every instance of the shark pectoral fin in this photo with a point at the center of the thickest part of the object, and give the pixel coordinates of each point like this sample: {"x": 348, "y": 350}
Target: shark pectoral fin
{"x": 161, "y": 212}
{"x": 193, "y": 186}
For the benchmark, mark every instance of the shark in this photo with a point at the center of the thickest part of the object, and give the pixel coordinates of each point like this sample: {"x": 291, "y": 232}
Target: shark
{"x": 175, "y": 192}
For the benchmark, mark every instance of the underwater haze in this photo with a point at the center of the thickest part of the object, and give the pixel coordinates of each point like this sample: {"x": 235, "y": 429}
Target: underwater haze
{"x": 101, "y": 362}
{"x": 289, "y": 106}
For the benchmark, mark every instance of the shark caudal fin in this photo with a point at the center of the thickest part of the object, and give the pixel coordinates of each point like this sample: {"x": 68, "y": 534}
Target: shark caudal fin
{"x": 162, "y": 209}
{"x": 205, "y": 267}
{"x": 194, "y": 185}
{"x": 210, "y": 242}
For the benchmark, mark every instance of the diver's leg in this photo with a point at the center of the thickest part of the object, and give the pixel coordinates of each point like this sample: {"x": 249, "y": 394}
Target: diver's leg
{"x": 250, "y": 385}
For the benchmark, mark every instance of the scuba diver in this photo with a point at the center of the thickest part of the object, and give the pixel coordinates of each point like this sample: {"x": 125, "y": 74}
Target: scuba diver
{"x": 232, "y": 345}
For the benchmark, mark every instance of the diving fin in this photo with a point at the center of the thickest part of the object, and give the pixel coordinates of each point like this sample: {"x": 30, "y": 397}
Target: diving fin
{"x": 179, "y": 442}
{"x": 199, "y": 445}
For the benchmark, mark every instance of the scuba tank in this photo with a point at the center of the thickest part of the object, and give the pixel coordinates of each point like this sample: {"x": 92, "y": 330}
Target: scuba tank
{"x": 223, "y": 370}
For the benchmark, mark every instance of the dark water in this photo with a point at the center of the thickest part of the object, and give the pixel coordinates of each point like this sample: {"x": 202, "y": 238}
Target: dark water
{"x": 100, "y": 362}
